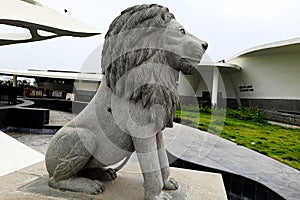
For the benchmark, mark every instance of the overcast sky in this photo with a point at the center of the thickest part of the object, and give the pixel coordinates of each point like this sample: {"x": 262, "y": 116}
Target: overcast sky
{"x": 229, "y": 26}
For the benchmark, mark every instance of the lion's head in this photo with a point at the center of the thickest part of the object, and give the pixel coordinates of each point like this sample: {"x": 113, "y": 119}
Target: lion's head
{"x": 144, "y": 49}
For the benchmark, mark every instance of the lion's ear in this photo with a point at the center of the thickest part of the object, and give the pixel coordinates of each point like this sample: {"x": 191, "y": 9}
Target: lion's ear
{"x": 167, "y": 16}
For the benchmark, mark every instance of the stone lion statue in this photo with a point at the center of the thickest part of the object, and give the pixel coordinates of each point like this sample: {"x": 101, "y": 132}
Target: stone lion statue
{"x": 144, "y": 49}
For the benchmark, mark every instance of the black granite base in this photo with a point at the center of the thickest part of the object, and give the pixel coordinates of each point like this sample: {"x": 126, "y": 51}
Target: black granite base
{"x": 24, "y": 117}
{"x": 237, "y": 187}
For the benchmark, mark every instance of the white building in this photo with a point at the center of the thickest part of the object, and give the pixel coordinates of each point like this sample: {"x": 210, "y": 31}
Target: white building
{"x": 266, "y": 76}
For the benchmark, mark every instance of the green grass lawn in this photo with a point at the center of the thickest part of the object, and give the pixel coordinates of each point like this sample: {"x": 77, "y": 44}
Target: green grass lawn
{"x": 280, "y": 143}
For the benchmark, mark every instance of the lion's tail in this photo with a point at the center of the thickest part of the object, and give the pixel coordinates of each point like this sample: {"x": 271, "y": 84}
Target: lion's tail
{"x": 123, "y": 163}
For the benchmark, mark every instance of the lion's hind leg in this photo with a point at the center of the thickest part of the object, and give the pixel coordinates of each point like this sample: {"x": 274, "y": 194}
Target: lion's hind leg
{"x": 101, "y": 174}
{"x": 71, "y": 157}
{"x": 78, "y": 184}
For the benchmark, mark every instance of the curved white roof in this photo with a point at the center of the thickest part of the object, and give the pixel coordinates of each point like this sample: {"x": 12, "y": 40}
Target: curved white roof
{"x": 223, "y": 67}
{"x": 283, "y": 46}
{"x": 54, "y": 74}
{"x": 41, "y": 21}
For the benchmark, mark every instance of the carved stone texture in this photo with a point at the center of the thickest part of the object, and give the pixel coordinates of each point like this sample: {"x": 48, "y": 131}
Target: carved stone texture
{"x": 144, "y": 49}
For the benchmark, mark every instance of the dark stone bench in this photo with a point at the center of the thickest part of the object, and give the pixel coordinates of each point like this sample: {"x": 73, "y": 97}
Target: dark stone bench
{"x": 21, "y": 117}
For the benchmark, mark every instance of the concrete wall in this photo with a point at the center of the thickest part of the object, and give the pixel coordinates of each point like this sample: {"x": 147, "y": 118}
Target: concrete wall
{"x": 271, "y": 76}
{"x": 187, "y": 84}
{"x": 56, "y": 86}
{"x": 196, "y": 84}
{"x": 86, "y": 85}
{"x": 199, "y": 84}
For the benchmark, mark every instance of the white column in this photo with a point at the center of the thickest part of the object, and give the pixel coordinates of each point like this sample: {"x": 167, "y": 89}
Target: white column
{"x": 215, "y": 84}
{"x": 14, "y": 80}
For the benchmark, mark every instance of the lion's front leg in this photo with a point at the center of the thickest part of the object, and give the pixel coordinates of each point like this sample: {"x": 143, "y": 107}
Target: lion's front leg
{"x": 169, "y": 183}
{"x": 146, "y": 149}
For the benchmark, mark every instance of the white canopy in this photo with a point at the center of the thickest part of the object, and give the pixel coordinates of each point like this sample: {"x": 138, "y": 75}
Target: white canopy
{"x": 41, "y": 21}
{"x": 54, "y": 74}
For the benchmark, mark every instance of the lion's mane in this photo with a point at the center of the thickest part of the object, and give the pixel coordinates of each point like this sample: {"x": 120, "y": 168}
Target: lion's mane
{"x": 137, "y": 17}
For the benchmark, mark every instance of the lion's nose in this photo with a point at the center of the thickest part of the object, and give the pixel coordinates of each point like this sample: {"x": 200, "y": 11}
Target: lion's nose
{"x": 204, "y": 45}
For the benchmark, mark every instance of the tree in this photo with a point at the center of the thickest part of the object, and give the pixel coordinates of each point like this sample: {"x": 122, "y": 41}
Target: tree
{"x": 20, "y": 83}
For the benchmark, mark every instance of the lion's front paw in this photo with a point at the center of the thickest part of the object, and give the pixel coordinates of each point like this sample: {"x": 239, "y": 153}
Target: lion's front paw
{"x": 171, "y": 184}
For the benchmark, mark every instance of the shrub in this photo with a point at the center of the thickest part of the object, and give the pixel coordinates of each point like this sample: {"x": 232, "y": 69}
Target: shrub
{"x": 248, "y": 114}
{"x": 202, "y": 107}
{"x": 180, "y": 120}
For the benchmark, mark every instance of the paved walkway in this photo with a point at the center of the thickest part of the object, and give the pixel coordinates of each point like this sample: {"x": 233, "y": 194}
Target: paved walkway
{"x": 14, "y": 155}
{"x": 23, "y": 104}
{"x": 60, "y": 118}
{"x": 283, "y": 125}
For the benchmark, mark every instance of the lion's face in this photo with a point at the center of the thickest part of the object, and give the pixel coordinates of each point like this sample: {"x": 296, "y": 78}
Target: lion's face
{"x": 187, "y": 48}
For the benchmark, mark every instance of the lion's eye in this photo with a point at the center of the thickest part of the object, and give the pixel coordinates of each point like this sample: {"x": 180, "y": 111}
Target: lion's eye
{"x": 182, "y": 31}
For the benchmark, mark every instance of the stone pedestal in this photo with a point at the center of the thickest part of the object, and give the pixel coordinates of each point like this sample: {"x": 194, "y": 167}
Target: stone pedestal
{"x": 31, "y": 183}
